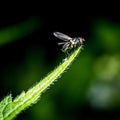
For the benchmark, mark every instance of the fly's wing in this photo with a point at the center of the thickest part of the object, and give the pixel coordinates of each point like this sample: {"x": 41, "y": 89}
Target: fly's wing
{"x": 62, "y": 36}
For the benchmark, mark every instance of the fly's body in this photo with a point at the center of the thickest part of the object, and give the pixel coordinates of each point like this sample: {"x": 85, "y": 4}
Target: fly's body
{"x": 69, "y": 43}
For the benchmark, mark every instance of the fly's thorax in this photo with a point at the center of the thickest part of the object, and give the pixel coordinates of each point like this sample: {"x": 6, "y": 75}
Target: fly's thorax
{"x": 76, "y": 41}
{"x": 71, "y": 40}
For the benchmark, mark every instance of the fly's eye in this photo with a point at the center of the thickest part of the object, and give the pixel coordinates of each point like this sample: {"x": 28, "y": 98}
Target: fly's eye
{"x": 82, "y": 40}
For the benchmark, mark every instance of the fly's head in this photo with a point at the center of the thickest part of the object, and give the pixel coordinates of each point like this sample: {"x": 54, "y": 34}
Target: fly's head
{"x": 81, "y": 40}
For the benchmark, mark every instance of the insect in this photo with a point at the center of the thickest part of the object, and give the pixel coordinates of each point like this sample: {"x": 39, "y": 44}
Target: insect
{"x": 69, "y": 43}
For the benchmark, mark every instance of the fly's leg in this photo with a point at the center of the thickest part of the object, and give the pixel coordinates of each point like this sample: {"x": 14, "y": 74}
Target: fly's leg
{"x": 65, "y": 48}
{"x": 61, "y": 43}
{"x": 67, "y": 54}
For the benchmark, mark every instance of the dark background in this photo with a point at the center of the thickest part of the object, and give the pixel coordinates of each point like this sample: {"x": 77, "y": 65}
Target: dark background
{"x": 89, "y": 90}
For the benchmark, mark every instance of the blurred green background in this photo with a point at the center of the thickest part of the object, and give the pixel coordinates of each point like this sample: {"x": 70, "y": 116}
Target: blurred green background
{"x": 90, "y": 88}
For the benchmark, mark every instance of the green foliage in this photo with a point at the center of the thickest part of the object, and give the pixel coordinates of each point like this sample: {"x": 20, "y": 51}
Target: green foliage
{"x": 9, "y": 109}
{"x": 93, "y": 79}
{"x": 18, "y": 31}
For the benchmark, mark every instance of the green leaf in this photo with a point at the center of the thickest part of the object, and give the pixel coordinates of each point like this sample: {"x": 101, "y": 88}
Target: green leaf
{"x": 7, "y": 100}
{"x": 9, "y": 109}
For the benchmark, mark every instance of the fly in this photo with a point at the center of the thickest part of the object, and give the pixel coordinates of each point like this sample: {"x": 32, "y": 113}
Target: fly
{"x": 69, "y": 43}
